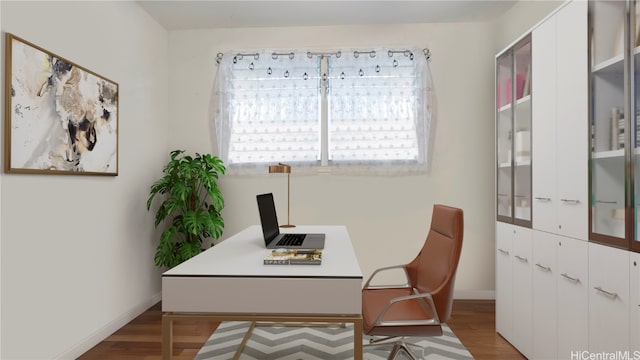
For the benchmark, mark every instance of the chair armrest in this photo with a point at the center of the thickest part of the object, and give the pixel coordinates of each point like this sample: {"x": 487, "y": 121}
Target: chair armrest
{"x": 406, "y": 284}
{"x": 426, "y": 297}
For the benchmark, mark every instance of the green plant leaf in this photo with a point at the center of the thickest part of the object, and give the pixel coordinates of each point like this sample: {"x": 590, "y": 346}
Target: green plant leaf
{"x": 189, "y": 249}
{"x": 214, "y": 225}
{"x": 181, "y": 191}
{"x": 216, "y": 197}
{"x": 192, "y": 221}
{"x": 166, "y": 251}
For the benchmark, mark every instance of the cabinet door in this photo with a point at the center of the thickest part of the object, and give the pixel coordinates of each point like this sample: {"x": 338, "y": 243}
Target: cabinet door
{"x": 543, "y": 60}
{"x": 522, "y": 134}
{"x": 572, "y": 120}
{"x": 544, "y": 295}
{"x": 573, "y": 295}
{"x": 634, "y": 288}
{"x": 609, "y": 322}
{"x": 504, "y": 137}
{"x": 522, "y": 290}
{"x": 504, "y": 307}
{"x": 608, "y": 161}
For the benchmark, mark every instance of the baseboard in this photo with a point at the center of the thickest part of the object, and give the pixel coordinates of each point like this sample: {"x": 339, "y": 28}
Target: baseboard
{"x": 101, "y": 334}
{"x": 474, "y": 294}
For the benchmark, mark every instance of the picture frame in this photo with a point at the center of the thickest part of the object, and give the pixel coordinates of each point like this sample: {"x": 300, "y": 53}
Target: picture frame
{"x": 60, "y": 118}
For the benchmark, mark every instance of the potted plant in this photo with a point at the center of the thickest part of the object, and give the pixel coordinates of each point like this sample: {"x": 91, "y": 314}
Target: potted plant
{"x": 192, "y": 202}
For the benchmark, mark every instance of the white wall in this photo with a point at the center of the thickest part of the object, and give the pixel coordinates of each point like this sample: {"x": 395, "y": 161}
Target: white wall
{"x": 521, "y": 18}
{"x": 387, "y": 217}
{"x": 77, "y": 251}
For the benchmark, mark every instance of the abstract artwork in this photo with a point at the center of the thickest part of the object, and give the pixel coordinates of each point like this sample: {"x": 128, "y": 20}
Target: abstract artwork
{"x": 60, "y": 117}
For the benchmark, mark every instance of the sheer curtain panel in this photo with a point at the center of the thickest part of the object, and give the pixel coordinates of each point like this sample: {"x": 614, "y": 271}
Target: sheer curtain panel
{"x": 267, "y": 110}
{"x": 379, "y": 114}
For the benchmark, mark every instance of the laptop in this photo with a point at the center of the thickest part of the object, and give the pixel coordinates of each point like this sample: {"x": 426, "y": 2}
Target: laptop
{"x": 273, "y": 238}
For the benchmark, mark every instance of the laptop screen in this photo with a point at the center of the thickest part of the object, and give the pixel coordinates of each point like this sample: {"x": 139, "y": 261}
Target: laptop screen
{"x": 268, "y": 217}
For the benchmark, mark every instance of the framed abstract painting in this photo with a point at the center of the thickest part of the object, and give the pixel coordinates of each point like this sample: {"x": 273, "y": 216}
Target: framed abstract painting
{"x": 60, "y": 118}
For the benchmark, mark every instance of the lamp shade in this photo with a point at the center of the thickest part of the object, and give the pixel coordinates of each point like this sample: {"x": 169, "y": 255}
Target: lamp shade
{"x": 280, "y": 169}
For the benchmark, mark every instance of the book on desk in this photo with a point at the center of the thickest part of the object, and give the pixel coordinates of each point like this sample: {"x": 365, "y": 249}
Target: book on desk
{"x": 294, "y": 257}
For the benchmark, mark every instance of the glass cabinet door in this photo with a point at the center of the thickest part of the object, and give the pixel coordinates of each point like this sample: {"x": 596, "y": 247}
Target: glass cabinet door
{"x": 513, "y": 127}
{"x": 504, "y": 124}
{"x": 522, "y": 133}
{"x": 608, "y": 165}
{"x": 635, "y": 109}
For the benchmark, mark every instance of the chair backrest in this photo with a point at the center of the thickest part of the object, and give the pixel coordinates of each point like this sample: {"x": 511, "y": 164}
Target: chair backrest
{"x": 434, "y": 269}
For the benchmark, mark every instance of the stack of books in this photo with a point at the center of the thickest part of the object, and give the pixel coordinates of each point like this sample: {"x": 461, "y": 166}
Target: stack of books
{"x": 617, "y": 129}
{"x": 294, "y": 257}
{"x": 637, "y": 129}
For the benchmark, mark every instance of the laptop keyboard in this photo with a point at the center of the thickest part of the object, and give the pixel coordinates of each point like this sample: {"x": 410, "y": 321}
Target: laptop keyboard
{"x": 291, "y": 240}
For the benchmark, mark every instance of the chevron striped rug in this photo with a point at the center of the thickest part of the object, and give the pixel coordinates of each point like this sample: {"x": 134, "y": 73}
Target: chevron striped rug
{"x": 317, "y": 343}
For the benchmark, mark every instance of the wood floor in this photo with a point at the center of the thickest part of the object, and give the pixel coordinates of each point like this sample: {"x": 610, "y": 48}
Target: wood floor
{"x": 473, "y": 321}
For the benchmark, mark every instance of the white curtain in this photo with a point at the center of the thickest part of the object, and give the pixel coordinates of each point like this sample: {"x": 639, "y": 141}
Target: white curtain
{"x": 267, "y": 108}
{"x": 379, "y": 111}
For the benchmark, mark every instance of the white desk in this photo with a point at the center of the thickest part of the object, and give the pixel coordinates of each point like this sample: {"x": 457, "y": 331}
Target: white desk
{"x": 229, "y": 282}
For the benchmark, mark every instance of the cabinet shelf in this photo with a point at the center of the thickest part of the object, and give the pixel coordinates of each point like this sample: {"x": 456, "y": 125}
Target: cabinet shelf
{"x": 521, "y": 163}
{"x": 609, "y": 154}
{"x": 614, "y": 64}
{"x": 611, "y": 65}
{"x": 525, "y": 100}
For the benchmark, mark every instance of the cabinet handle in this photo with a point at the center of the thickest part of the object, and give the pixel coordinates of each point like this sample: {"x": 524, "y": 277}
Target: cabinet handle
{"x": 572, "y": 279}
{"x": 543, "y": 268}
{"x": 608, "y": 293}
{"x": 520, "y": 196}
{"x": 521, "y": 258}
{"x": 571, "y": 202}
{"x": 505, "y": 252}
{"x": 546, "y": 199}
{"x": 605, "y": 202}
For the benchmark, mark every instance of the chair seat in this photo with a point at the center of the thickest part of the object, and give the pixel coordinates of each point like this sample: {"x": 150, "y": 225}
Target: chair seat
{"x": 374, "y": 300}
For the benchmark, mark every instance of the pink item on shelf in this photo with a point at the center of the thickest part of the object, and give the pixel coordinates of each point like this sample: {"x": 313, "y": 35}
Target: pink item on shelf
{"x": 504, "y": 90}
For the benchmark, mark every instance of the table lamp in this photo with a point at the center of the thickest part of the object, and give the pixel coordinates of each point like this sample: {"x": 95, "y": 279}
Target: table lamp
{"x": 284, "y": 169}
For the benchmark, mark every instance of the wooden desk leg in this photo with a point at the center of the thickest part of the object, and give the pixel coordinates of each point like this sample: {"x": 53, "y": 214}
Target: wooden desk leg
{"x": 357, "y": 339}
{"x": 167, "y": 337}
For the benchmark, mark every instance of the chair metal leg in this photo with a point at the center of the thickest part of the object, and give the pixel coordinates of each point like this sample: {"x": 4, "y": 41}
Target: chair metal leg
{"x": 399, "y": 345}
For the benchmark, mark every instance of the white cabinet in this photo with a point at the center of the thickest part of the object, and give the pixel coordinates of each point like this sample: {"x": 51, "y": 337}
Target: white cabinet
{"x": 559, "y": 125}
{"x": 514, "y": 316}
{"x": 634, "y": 303}
{"x": 522, "y": 328}
{"x": 560, "y": 296}
{"x": 609, "y": 322}
{"x": 572, "y": 297}
{"x": 544, "y": 295}
{"x": 504, "y": 280}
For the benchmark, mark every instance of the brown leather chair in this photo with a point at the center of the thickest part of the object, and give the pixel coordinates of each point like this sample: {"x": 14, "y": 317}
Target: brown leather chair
{"x": 419, "y": 306}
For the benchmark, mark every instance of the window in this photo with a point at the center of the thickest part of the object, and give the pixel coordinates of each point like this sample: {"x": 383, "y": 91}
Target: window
{"x": 343, "y": 110}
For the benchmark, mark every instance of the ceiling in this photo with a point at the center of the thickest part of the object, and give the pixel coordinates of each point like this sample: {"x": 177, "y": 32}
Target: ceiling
{"x": 185, "y": 14}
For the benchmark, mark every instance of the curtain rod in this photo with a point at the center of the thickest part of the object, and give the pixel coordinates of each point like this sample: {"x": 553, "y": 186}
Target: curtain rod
{"x": 310, "y": 54}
